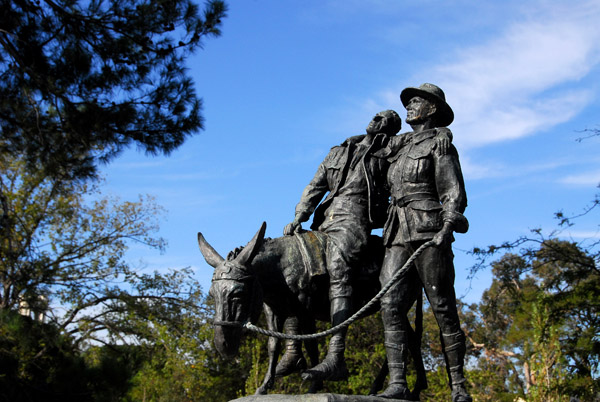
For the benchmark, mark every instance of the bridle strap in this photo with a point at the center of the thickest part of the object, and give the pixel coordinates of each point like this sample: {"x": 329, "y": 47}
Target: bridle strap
{"x": 242, "y": 278}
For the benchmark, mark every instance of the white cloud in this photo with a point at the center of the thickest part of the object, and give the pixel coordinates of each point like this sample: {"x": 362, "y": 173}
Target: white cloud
{"x": 514, "y": 84}
{"x": 509, "y": 87}
{"x": 475, "y": 171}
{"x": 507, "y": 120}
{"x": 533, "y": 74}
{"x": 495, "y": 169}
{"x": 582, "y": 179}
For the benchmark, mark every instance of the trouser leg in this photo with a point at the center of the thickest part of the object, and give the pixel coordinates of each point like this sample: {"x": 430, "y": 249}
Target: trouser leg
{"x": 396, "y": 348}
{"x": 333, "y": 367}
{"x": 395, "y": 305}
{"x": 396, "y": 351}
{"x": 340, "y": 299}
{"x": 436, "y": 270}
{"x": 454, "y": 354}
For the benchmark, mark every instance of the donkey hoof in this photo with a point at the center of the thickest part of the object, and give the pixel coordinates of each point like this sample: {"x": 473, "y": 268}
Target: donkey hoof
{"x": 262, "y": 390}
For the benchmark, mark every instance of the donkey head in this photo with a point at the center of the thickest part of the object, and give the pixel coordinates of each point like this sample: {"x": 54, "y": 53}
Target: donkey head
{"x": 233, "y": 288}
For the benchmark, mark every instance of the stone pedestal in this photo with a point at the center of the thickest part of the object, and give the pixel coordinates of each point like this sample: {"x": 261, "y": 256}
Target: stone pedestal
{"x": 314, "y": 398}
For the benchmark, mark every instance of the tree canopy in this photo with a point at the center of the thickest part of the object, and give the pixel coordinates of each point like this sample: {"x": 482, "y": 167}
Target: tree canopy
{"x": 82, "y": 80}
{"x": 62, "y": 253}
{"x": 538, "y": 322}
{"x": 73, "y": 310}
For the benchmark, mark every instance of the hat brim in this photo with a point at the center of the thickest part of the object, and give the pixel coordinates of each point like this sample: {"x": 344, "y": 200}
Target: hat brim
{"x": 444, "y": 113}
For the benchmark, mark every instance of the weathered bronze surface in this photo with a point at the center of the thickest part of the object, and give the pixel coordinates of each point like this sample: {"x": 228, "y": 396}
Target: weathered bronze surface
{"x": 272, "y": 274}
{"x": 428, "y": 199}
{"x": 409, "y": 184}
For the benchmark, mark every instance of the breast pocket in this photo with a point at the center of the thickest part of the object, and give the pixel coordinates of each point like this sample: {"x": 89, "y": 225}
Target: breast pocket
{"x": 418, "y": 164}
{"x": 334, "y": 169}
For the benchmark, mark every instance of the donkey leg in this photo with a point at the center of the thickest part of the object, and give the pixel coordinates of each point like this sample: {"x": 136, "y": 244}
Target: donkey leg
{"x": 312, "y": 348}
{"x": 274, "y": 323}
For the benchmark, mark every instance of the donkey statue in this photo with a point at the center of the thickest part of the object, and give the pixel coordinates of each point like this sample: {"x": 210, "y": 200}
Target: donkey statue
{"x": 280, "y": 275}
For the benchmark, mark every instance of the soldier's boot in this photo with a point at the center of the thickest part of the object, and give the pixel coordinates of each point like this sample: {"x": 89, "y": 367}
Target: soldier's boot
{"x": 293, "y": 359}
{"x": 333, "y": 367}
{"x": 396, "y": 349}
{"x": 454, "y": 354}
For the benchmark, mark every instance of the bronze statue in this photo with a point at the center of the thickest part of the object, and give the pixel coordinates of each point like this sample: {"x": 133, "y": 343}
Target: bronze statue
{"x": 286, "y": 276}
{"x": 353, "y": 176}
{"x": 339, "y": 265}
{"x": 427, "y": 203}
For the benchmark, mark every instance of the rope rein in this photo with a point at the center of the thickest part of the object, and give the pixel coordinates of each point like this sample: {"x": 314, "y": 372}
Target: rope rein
{"x": 355, "y": 316}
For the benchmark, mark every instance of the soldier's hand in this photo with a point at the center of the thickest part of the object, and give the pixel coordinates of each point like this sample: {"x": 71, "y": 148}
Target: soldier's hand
{"x": 443, "y": 139}
{"x": 291, "y": 228}
{"x": 443, "y": 238}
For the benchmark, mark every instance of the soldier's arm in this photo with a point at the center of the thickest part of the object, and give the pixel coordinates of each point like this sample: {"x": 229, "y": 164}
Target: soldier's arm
{"x": 451, "y": 189}
{"x": 311, "y": 197}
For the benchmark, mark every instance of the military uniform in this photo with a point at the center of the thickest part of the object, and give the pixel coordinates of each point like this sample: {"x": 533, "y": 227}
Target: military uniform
{"x": 427, "y": 190}
{"x": 353, "y": 174}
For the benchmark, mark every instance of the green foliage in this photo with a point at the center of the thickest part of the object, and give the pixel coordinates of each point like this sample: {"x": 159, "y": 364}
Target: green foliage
{"x": 538, "y": 322}
{"x": 176, "y": 364}
{"x": 82, "y": 80}
{"x": 62, "y": 257}
{"x": 38, "y": 363}
{"x": 63, "y": 245}
{"x": 181, "y": 364}
{"x": 110, "y": 369}
{"x": 172, "y": 360}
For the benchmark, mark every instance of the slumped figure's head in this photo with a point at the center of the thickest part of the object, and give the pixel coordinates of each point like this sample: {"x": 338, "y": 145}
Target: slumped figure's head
{"x": 387, "y": 122}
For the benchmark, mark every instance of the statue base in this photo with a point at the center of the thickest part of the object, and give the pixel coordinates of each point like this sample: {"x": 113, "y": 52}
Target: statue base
{"x": 315, "y": 398}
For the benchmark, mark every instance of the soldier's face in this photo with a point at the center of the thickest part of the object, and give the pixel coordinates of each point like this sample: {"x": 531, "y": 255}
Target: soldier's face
{"x": 419, "y": 110}
{"x": 378, "y": 124}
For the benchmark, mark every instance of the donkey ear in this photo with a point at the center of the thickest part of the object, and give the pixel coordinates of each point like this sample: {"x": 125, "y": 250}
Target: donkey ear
{"x": 210, "y": 255}
{"x": 249, "y": 252}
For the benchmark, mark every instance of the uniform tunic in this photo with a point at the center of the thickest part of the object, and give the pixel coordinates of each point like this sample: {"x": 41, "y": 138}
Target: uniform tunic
{"x": 353, "y": 174}
{"x": 427, "y": 189}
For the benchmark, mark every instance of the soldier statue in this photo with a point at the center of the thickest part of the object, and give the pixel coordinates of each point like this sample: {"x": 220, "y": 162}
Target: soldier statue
{"x": 353, "y": 174}
{"x": 427, "y": 203}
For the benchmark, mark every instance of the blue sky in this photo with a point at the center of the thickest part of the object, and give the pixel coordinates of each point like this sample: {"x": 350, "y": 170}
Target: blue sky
{"x": 289, "y": 79}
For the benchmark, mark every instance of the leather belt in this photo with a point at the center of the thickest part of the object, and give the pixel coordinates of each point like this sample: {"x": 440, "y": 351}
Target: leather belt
{"x": 407, "y": 199}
